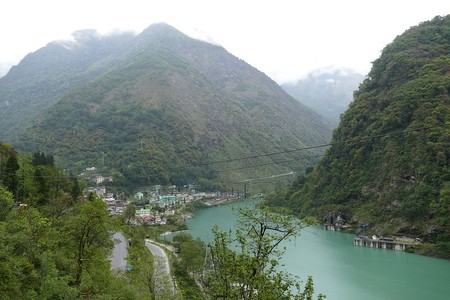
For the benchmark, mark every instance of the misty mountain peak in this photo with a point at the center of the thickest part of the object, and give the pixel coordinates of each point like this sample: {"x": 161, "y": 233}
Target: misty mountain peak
{"x": 160, "y": 28}
{"x": 79, "y": 38}
{"x": 161, "y": 33}
{"x": 86, "y": 36}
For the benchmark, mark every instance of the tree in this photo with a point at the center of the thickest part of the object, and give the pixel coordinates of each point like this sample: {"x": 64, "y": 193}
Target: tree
{"x": 90, "y": 231}
{"x": 161, "y": 282}
{"x": 10, "y": 179}
{"x": 51, "y": 183}
{"x": 6, "y": 202}
{"x": 19, "y": 254}
{"x": 191, "y": 253}
{"x": 76, "y": 190}
{"x": 130, "y": 212}
{"x": 54, "y": 249}
{"x": 40, "y": 159}
{"x": 251, "y": 272}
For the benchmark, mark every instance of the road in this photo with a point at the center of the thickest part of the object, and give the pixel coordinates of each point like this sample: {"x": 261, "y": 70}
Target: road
{"x": 120, "y": 252}
{"x": 162, "y": 267}
{"x": 158, "y": 252}
{"x": 161, "y": 264}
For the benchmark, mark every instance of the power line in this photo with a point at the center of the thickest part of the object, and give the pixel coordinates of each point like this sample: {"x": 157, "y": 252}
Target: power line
{"x": 305, "y": 148}
{"x": 273, "y": 154}
{"x": 270, "y": 163}
{"x": 268, "y": 177}
{"x": 317, "y": 146}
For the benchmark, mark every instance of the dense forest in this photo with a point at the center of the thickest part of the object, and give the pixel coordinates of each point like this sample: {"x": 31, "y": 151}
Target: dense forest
{"x": 53, "y": 244}
{"x": 156, "y": 108}
{"x": 388, "y": 163}
{"x": 56, "y": 242}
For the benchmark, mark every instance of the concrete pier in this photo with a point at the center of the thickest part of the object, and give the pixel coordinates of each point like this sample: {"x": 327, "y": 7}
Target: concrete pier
{"x": 331, "y": 227}
{"x": 380, "y": 243}
{"x": 334, "y": 227}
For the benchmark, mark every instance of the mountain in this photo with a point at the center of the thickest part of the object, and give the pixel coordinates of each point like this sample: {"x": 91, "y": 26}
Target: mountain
{"x": 328, "y": 91}
{"x": 42, "y": 77}
{"x": 158, "y": 107}
{"x": 388, "y": 165}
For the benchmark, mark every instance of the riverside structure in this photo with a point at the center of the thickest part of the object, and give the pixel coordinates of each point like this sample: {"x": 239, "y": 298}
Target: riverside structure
{"x": 382, "y": 243}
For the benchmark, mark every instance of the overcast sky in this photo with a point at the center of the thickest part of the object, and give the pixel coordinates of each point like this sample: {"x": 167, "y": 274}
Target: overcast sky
{"x": 285, "y": 39}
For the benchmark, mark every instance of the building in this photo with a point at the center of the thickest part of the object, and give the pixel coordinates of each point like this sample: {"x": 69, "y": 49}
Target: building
{"x": 97, "y": 178}
{"x": 99, "y": 190}
{"x": 142, "y": 212}
{"x": 168, "y": 200}
{"x": 110, "y": 200}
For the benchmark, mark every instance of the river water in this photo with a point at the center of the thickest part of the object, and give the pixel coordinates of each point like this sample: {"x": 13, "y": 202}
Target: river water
{"x": 341, "y": 270}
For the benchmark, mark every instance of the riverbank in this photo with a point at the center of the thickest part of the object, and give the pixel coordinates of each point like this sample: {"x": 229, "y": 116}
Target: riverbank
{"x": 173, "y": 232}
{"x": 221, "y": 201}
{"x": 199, "y": 205}
{"x": 341, "y": 270}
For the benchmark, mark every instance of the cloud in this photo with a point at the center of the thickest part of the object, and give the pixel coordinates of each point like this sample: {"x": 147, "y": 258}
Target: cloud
{"x": 286, "y": 39}
{"x": 5, "y": 67}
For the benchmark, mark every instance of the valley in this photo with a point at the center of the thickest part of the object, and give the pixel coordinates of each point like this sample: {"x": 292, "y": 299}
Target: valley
{"x": 157, "y": 132}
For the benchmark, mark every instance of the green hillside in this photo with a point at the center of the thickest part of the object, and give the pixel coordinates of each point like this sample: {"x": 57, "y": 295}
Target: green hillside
{"x": 42, "y": 77}
{"x": 379, "y": 169}
{"x": 170, "y": 110}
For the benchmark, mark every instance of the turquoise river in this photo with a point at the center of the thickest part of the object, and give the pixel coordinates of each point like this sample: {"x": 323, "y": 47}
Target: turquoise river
{"x": 341, "y": 270}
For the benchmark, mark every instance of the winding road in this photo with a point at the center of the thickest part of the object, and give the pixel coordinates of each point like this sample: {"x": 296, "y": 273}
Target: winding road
{"x": 157, "y": 251}
{"x": 120, "y": 252}
{"x": 162, "y": 268}
{"x": 161, "y": 258}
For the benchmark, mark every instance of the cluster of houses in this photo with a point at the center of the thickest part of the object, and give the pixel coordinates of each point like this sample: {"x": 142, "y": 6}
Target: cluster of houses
{"x": 154, "y": 198}
{"x": 94, "y": 177}
{"x": 148, "y": 200}
{"x": 114, "y": 206}
{"x": 151, "y": 217}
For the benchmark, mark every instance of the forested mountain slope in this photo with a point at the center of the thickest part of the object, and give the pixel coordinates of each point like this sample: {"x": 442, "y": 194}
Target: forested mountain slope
{"x": 389, "y": 162}
{"x": 42, "y": 77}
{"x": 54, "y": 242}
{"x": 168, "y": 108}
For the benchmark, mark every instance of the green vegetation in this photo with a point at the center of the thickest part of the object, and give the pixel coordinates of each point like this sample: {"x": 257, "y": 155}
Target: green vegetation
{"x": 42, "y": 77}
{"x": 157, "y": 108}
{"x": 142, "y": 276}
{"x": 52, "y": 246}
{"x": 250, "y": 272}
{"x": 189, "y": 265}
{"x": 242, "y": 264}
{"x": 380, "y": 170}
{"x": 55, "y": 244}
